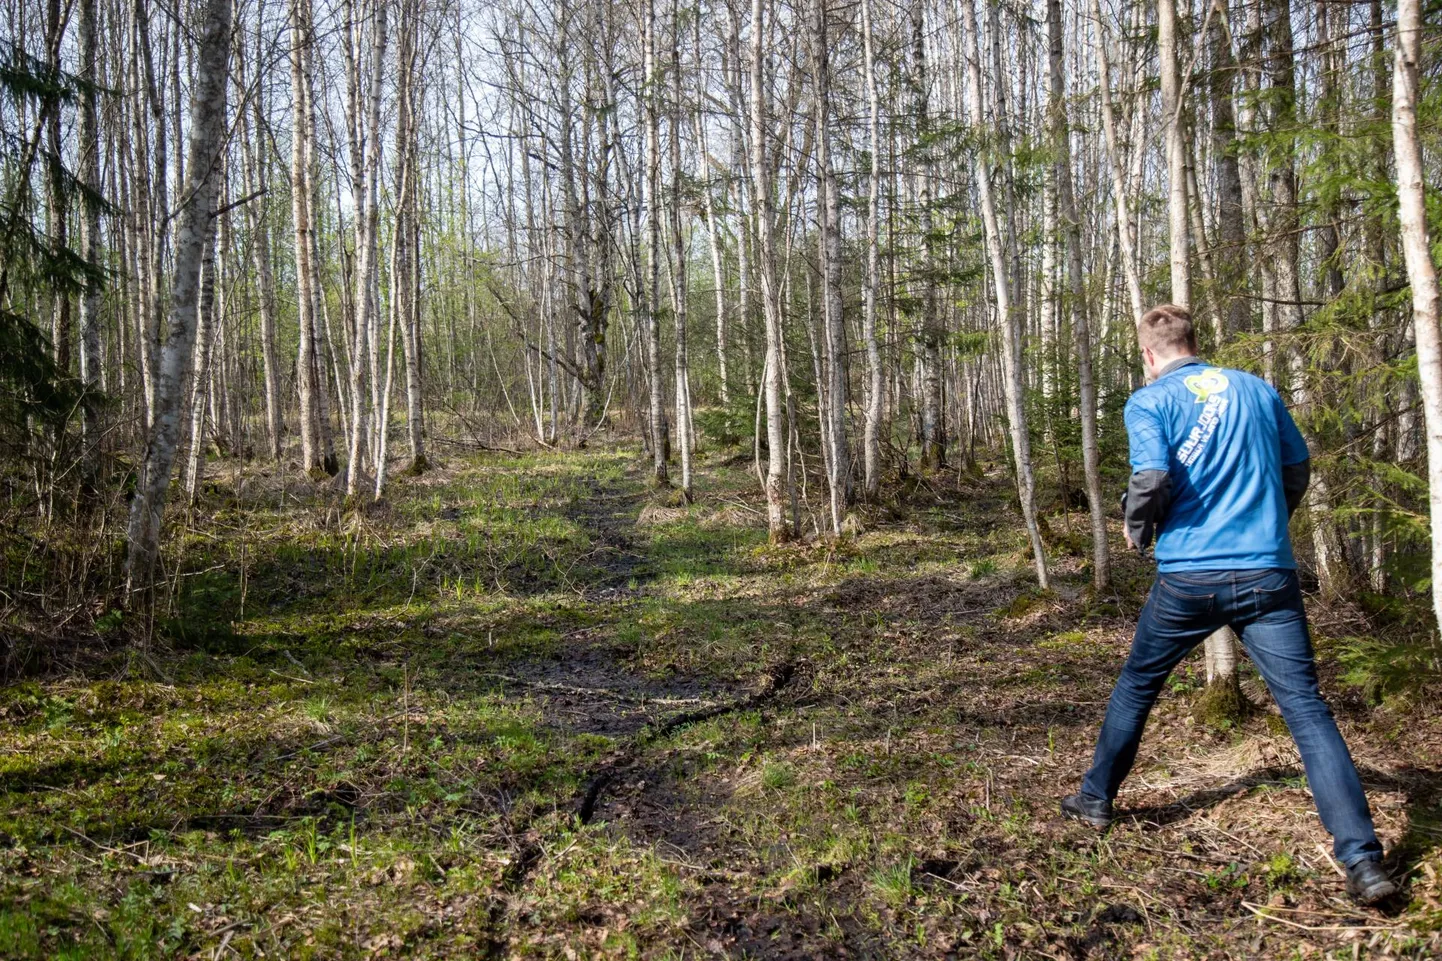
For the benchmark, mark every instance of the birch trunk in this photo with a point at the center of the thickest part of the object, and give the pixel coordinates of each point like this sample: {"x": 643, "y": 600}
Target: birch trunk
{"x": 365, "y": 150}
{"x": 1049, "y": 296}
{"x": 407, "y": 285}
{"x": 254, "y": 173}
{"x": 660, "y": 434}
{"x": 192, "y": 233}
{"x": 1421, "y": 270}
{"x": 303, "y": 121}
{"x": 89, "y": 173}
{"x": 871, "y": 442}
{"x": 201, "y": 392}
{"x": 383, "y": 415}
{"x": 1176, "y": 153}
{"x": 928, "y": 335}
{"x": 713, "y": 236}
{"x": 834, "y": 425}
{"x": 1081, "y": 322}
{"x": 764, "y": 207}
{"x": 155, "y": 215}
{"x": 1012, "y": 375}
{"x": 1221, "y": 646}
{"x": 1122, "y": 212}
{"x": 678, "y": 267}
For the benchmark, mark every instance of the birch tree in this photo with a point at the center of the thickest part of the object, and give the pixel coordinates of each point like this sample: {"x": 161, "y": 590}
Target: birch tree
{"x": 255, "y": 173}
{"x": 834, "y": 423}
{"x": 678, "y": 264}
{"x": 192, "y": 234}
{"x": 1081, "y": 326}
{"x": 1013, "y": 381}
{"x": 1421, "y": 269}
{"x": 765, "y": 220}
{"x": 1221, "y": 646}
{"x": 363, "y": 125}
{"x": 875, "y": 375}
{"x": 407, "y": 282}
{"x": 88, "y": 135}
{"x": 660, "y": 433}
{"x": 303, "y": 129}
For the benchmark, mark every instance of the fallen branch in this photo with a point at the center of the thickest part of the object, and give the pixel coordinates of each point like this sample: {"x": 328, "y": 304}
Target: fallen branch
{"x": 531, "y": 851}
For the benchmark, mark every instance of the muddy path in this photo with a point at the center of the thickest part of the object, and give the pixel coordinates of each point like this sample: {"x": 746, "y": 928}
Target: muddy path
{"x": 587, "y": 685}
{"x": 901, "y": 800}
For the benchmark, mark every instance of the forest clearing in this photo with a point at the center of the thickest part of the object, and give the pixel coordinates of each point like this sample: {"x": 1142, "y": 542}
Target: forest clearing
{"x": 720, "y": 478}
{"x": 525, "y": 710}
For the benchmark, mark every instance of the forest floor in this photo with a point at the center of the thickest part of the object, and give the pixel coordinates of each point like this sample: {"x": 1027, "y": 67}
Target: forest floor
{"x": 531, "y": 708}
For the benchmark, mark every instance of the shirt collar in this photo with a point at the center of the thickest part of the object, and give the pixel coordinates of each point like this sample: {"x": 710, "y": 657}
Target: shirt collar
{"x": 1178, "y": 364}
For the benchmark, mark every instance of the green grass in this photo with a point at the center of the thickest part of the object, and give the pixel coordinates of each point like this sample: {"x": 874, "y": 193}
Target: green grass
{"x": 368, "y": 735}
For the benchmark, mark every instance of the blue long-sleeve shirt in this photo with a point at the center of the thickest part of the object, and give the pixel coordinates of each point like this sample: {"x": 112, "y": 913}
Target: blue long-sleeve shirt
{"x": 1217, "y": 467}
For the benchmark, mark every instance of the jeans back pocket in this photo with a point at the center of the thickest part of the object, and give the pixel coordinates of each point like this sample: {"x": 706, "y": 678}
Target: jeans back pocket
{"x": 1181, "y": 598}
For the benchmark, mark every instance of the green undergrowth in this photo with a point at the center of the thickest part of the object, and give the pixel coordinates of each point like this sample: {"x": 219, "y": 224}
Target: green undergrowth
{"x": 368, "y": 731}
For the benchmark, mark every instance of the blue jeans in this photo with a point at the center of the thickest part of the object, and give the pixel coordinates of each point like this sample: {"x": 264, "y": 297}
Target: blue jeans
{"x": 1264, "y": 607}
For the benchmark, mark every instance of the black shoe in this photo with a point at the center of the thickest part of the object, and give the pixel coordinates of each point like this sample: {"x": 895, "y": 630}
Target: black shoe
{"x": 1368, "y": 882}
{"x": 1094, "y": 811}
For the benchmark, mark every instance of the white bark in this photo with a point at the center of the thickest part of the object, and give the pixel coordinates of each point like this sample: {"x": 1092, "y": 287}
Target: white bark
{"x": 383, "y": 417}
{"x": 1176, "y": 152}
{"x": 678, "y": 267}
{"x": 660, "y": 435}
{"x": 207, "y": 141}
{"x": 154, "y": 211}
{"x": 201, "y": 394}
{"x": 407, "y": 235}
{"x": 1421, "y": 270}
{"x": 303, "y": 121}
{"x": 365, "y": 136}
{"x": 929, "y": 334}
{"x": 254, "y": 173}
{"x": 833, "y": 425}
{"x": 1221, "y": 656}
{"x": 89, "y": 173}
{"x": 713, "y": 236}
{"x": 1081, "y": 325}
{"x": 1221, "y": 646}
{"x": 1012, "y": 376}
{"x": 871, "y": 443}
{"x": 764, "y": 206}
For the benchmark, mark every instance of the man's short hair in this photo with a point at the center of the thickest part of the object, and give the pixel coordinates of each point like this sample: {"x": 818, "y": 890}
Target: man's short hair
{"x": 1167, "y": 329}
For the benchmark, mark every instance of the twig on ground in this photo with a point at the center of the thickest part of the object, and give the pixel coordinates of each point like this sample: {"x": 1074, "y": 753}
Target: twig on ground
{"x": 1331, "y": 860}
{"x": 745, "y": 507}
{"x": 102, "y": 847}
{"x": 1262, "y": 913}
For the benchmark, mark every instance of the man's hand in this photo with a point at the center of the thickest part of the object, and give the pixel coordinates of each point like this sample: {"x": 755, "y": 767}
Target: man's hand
{"x": 1128, "y": 535}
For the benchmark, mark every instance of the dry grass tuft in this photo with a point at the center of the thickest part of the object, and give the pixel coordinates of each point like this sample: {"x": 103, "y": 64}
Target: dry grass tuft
{"x": 653, "y": 515}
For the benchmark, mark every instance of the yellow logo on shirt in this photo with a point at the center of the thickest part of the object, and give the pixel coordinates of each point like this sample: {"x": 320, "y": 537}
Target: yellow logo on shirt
{"x": 1208, "y": 382}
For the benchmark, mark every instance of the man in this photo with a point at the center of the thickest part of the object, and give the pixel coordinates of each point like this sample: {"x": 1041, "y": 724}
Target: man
{"x": 1218, "y": 467}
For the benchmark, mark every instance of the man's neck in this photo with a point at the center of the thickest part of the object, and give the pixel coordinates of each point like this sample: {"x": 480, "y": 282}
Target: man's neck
{"x": 1177, "y": 362}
